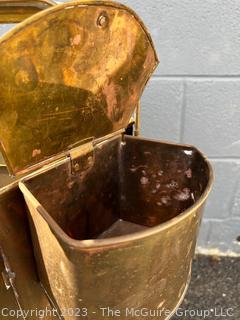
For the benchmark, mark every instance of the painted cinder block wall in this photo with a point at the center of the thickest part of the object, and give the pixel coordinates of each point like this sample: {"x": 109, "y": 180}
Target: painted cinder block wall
{"x": 194, "y": 97}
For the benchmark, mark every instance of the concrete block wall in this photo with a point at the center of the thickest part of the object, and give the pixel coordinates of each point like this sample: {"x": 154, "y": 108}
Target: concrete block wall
{"x": 194, "y": 97}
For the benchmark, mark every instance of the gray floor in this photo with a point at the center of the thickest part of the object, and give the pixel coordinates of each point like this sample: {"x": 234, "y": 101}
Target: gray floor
{"x": 214, "y": 289}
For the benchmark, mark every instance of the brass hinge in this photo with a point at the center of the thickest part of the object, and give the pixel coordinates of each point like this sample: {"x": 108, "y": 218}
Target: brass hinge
{"x": 82, "y": 157}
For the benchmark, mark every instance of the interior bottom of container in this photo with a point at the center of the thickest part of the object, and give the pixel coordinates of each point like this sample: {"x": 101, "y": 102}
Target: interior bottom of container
{"x": 121, "y": 228}
{"x": 131, "y": 185}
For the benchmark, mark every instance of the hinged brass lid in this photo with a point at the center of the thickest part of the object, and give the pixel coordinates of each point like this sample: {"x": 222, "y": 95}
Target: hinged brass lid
{"x": 73, "y": 71}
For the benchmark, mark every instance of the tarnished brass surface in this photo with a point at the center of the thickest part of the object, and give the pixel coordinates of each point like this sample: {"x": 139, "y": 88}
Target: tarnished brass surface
{"x": 12, "y": 11}
{"x": 2, "y": 163}
{"x": 5, "y": 179}
{"x": 74, "y": 71}
{"x": 73, "y": 75}
{"x": 16, "y": 246}
{"x": 156, "y": 185}
{"x": 7, "y": 298}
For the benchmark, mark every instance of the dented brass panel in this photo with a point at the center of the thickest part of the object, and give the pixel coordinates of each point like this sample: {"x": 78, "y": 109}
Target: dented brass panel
{"x": 26, "y": 292}
{"x": 74, "y": 71}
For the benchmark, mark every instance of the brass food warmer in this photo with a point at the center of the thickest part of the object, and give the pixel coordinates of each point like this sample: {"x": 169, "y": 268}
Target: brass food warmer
{"x": 95, "y": 218}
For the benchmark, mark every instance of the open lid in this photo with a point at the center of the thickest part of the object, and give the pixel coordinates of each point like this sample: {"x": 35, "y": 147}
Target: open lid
{"x": 71, "y": 72}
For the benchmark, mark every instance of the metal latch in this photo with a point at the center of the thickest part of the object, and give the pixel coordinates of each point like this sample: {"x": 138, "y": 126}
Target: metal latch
{"x": 8, "y": 277}
{"x": 82, "y": 157}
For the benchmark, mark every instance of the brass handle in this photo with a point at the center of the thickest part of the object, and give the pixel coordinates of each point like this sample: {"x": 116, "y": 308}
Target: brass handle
{"x": 137, "y": 120}
{"x": 13, "y": 11}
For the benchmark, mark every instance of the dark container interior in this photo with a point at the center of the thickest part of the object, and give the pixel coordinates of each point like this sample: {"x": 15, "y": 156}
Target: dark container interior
{"x": 141, "y": 182}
